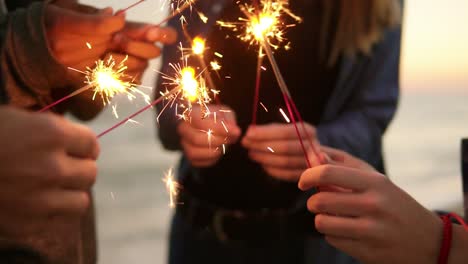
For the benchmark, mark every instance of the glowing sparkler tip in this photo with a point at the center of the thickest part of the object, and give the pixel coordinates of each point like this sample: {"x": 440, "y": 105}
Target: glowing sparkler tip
{"x": 189, "y": 83}
{"x": 198, "y": 46}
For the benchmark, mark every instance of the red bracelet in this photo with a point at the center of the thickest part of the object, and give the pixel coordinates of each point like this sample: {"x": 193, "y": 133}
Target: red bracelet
{"x": 446, "y": 240}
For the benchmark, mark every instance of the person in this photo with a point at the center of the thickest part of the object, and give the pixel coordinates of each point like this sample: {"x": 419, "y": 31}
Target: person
{"x": 40, "y": 40}
{"x": 43, "y": 175}
{"x": 244, "y": 206}
{"x": 361, "y": 212}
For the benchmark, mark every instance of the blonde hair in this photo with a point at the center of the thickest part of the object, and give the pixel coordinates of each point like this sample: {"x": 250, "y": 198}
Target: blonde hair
{"x": 360, "y": 24}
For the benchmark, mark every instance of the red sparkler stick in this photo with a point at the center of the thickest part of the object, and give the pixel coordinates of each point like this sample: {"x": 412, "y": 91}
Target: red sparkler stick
{"x": 309, "y": 137}
{"x": 130, "y": 7}
{"x": 81, "y": 90}
{"x": 257, "y": 87}
{"x": 288, "y": 99}
{"x": 293, "y": 118}
{"x": 124, "y": 121}
{"x": 177, "y": 12}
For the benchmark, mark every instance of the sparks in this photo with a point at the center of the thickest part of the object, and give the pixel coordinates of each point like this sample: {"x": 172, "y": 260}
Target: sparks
{"x": 198, "y": 46}
{"x": 89, "y": 45}
{"x": 285, "y": 116}
{"x": 215, "y": 66}
{"x": 209, "y": 135}
{"x": 193, "y": 90}
{"x": 172, "y": 187}
{"x": 107, "y": 79}
{"x": 203, "y": 18}
{"x": 264, "y": 107}
{"x": 266, "y": 25}
{"x": 270, "y": 149}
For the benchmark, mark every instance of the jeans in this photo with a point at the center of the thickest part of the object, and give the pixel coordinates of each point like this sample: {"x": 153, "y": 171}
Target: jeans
{"x": 190, "y": 246}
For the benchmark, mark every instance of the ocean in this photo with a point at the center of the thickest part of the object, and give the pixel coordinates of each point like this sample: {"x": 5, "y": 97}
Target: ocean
{"x": 422, "y": 150}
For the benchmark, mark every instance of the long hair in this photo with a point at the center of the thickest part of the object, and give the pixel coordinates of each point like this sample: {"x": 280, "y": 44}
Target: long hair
{"x": 359, "y": 25}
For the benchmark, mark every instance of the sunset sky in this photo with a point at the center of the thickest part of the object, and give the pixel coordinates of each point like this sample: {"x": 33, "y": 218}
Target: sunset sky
{"x": 435, "y": 44}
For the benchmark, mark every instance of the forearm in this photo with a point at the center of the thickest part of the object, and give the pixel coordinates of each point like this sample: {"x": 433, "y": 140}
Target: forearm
{"x": 459, "y": 251}
{"x": 29, "y": 71}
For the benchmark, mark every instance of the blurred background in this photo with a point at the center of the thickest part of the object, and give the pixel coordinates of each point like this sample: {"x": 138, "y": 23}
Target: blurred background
{"x": 422, "y": 144}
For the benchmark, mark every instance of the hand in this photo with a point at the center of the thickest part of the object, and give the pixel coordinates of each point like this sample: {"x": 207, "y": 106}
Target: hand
{"x": 194, "y": 139}
{"x": 47, "y": 167}
{"x": 342, "y": 158}
{"x": 375, "y": 221}
{"x": 70, "y": 25}
{"x": 137, "y": 40}
{"x": 287, "y": 162}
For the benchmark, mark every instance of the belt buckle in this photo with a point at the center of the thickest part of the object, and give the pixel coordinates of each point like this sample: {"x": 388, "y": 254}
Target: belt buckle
{"x": 218, "y": 222}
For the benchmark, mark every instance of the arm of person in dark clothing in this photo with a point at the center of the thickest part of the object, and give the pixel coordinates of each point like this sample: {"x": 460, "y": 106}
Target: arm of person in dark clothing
{"x": 370, "y": 109}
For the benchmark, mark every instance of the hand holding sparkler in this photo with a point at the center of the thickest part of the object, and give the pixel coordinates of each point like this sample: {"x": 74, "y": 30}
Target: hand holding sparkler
{"x": 276, "y": 148}
{"x": 68, "y": 31}
{"x": 50, "y": 171}
{"x": 140, "y": 42}
{"x": 204, "y": 139}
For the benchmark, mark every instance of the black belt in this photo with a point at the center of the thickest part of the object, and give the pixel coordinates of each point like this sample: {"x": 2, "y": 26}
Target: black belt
{"x": 241, "y": 225}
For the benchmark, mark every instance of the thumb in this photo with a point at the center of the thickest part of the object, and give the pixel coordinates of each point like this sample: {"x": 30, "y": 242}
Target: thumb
{"x": 62, "y": 20}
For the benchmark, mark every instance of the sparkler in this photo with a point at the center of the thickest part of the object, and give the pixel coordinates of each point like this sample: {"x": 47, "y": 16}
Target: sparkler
{"x": 172, "y": 187}
{"x": 258, "y": 27}
{"x": 265, "y": 27}
{"x": 179, "y": 6}
{"x": 108, "y": 79}
{"x": 130, "y": 7}
{"x": 188, "y": 86}
{"x": 198, "y": 50}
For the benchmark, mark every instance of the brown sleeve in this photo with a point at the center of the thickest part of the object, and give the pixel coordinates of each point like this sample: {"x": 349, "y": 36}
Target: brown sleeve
{"x": 29, "y": 70}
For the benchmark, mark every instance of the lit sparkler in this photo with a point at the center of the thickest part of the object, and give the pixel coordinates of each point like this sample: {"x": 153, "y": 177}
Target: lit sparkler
{"x": 266, "y": 27}
{"x": 186, "y": 87}
{"x": 107, "y": 79}
{"x": 178, "y": 7}
{"x": 172, "y": 187}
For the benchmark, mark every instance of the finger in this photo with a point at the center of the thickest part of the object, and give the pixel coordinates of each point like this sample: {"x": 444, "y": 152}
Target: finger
{"x": 65, "y": 202}
{"x": 279, "y": 161}
{"x": 61, "y": 20}
{"x": 162, "y": 35}
{"x": 229, "y": 131}
{"x": 133, "y": 64}
{"x": 350, "y": 246}
{"x": 281, "y": 147}
{"x": 80, "y": 141}
{"x": 327, "y": 175}
{"x": 75, "y": 6}
{"x": 334, "y": 154}
{"x": 336, "y": 203}
{"x": 199, "y": 138}
{"x": 337, "y": 226}
{"x": 140, "y": 49}
{"x": 195, "y": 153}
{"x": 81, "y": 174}
{"x": 284, "y": 174}
{"x": 277, "y": 132}
{"x": 70, "y": 43}
{"x": 79, "y": 55}
{"x": 149, "y": 33}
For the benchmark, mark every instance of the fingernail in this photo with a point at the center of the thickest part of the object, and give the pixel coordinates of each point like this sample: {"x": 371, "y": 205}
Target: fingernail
{"x": 107, "y": 11}
{"x": 250, "y": 132}
{"x": 154, "y": 34}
